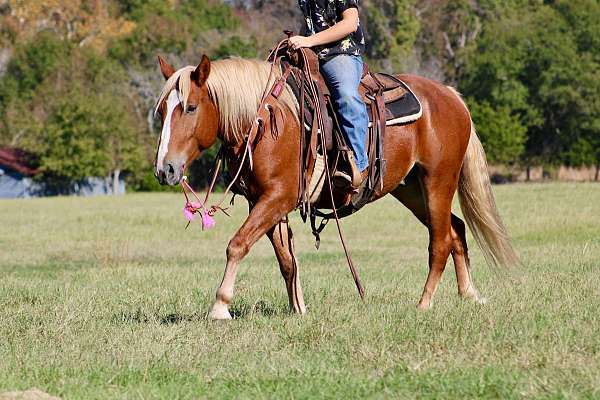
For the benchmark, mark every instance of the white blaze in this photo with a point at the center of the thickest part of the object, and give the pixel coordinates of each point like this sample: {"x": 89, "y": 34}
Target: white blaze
{"x": 165, "y": 136}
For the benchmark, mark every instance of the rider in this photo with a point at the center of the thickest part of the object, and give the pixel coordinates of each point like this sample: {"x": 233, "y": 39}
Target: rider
{"x": 332, "y": 29}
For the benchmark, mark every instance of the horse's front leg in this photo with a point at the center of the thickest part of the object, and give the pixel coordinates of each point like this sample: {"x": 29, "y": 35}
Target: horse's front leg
{"x": 267, "y": 212}
{"x": 281, "y": 238}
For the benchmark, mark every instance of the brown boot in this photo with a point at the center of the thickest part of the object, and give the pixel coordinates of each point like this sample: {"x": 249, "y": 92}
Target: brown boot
{"x": 354, "y": 179}
{"x": 356, "y": 174}
{"x": 363, "y": 175}
{"x": 342, "y": 180}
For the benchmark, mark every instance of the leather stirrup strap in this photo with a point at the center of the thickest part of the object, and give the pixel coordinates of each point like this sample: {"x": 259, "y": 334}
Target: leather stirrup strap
{"x": 321, "y": 126}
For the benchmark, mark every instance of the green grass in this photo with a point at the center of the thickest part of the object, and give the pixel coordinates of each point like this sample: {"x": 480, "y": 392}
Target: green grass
{"x": 107, "y": 297}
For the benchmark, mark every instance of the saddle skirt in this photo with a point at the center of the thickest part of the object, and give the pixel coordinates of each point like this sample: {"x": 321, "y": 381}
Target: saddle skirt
{"x": 401, "y": 104}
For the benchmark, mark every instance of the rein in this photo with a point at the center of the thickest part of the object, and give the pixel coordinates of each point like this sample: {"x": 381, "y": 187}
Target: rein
{"x": 317, "y": 110}
{"x": 268, "y": 111}
{"x": 201, "y": 207}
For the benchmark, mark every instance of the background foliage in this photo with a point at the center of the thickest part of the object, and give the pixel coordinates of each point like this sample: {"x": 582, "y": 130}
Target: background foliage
{"x": 78, "y": 78}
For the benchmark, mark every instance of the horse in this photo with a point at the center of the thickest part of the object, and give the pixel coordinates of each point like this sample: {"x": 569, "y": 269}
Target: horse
{"x": 428, "y": 161}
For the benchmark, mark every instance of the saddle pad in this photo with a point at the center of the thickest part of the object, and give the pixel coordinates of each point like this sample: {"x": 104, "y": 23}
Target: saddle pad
{"x": 317, "y": 180}
{"x": 401, "y": 105}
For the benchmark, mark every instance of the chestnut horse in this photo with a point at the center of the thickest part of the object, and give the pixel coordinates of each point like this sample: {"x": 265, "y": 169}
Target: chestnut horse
{"x": 436, "y": 156}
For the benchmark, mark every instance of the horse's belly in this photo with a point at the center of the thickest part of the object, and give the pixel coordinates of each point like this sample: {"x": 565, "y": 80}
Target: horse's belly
{"x": 400, "y": 154}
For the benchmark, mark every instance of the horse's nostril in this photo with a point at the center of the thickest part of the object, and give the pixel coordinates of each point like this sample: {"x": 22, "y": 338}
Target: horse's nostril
{"x": 171, "y": 169}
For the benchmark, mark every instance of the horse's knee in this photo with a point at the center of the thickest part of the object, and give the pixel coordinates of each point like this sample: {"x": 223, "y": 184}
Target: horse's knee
{"x": 236, "y": 249}
{"x": 288, "y": 265}
{"x": 440, "y": 248}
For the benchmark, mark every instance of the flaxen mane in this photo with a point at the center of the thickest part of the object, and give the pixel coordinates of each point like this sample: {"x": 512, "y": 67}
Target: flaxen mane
{"x": 236, "y": 86}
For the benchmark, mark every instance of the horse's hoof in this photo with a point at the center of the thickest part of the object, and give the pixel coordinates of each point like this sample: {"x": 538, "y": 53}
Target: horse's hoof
{"x": 300, "y": 310}
{"x": 219, "y": 312}
{"x": 473, "y": 295}
{"x": 423, "y": 306}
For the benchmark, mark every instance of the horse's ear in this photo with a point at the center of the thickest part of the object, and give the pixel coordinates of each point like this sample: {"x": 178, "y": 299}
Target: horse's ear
{"x": 200, "y": 74}
{"x": 166, "y": 68}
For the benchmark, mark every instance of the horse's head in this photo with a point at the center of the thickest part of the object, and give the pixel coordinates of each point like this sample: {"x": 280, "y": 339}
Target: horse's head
{"x": 189, "y": 120}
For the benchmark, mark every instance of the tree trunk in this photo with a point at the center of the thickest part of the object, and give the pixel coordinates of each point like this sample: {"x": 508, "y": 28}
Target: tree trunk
{"x": 115, "y": 188}
{"x": 528, "y": 173}
{"x": 597, "y": 171}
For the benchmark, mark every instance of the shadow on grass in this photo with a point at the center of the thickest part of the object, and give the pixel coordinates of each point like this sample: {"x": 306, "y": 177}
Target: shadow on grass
{"x": 238, "y": 310}
{"x": 140, "y": 317}
{"x": 175, "y": 318}
{"x": 260, "y": 307}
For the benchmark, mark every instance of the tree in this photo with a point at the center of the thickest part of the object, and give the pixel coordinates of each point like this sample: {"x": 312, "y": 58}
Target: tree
{"x": 71, "y": 107}
{"x": 449, "y": 32}
{"x": 82, "y": 82}
{"x": 501, "y": 132}
{"x": 528, "y": 61}
{"x": 89, "y": 134}
{"x": 32, "y": 63}
{"x": 391, "y": 29}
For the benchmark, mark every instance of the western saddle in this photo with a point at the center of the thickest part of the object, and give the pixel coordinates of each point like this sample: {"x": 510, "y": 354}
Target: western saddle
{"x": 389, "y": 101}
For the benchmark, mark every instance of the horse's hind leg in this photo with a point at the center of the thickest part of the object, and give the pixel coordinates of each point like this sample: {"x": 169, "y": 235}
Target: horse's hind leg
{"x": 430, "y": 211}
{"x": 281, "y": 238}
{"x": 438, "y": 200}
{"x": 431, "y": 203}
{"x": 460, "y": 255}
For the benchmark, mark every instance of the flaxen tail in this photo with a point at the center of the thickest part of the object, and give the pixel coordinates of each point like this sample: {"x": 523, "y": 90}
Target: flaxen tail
{"x": 479, "y": 207}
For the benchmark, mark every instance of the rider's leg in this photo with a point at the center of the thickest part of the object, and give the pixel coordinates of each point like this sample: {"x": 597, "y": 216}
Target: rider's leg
{"x": 343, "y": 74}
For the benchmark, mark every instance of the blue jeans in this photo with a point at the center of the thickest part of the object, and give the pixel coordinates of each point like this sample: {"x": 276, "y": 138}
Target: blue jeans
{"x": 343, "y": 73}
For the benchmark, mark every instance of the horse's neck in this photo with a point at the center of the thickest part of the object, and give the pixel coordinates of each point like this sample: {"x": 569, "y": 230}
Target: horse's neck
{"x": 233, "y": 150}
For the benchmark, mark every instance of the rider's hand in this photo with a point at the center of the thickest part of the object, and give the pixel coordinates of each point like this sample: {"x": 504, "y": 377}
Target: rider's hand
{"x": 298, "y": 42}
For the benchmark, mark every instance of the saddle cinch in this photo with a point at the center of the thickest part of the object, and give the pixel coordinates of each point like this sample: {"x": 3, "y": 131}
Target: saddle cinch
{"x": 324, "y": 148}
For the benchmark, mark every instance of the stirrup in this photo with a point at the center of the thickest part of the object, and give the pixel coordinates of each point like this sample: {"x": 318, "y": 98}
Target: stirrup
{"x": 356, "y": 173}
{"x": 341, "y": 180}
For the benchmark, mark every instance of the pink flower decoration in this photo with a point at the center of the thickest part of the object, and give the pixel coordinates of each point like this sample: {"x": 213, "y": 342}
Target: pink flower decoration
{"x": 188, "y": 213}
{"x": 190, "y": 209}
{"x": 207, "y": 221}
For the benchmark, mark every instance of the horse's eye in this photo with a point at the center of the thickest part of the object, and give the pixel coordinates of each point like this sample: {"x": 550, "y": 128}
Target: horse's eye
{"x": 191, "y": 108}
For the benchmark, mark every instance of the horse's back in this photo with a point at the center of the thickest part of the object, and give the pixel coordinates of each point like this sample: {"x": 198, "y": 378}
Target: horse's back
{"x": 444, "y": 129}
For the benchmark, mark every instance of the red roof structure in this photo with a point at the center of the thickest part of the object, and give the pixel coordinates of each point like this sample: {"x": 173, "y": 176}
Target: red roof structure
{"x": 18, "y": 160}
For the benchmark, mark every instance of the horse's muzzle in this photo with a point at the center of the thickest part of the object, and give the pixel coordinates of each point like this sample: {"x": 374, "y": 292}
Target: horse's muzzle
{"x": 170, "y": 174}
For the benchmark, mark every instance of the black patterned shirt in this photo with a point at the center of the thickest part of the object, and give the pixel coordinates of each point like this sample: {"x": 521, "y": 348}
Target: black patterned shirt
{"x": 320, "y": 15}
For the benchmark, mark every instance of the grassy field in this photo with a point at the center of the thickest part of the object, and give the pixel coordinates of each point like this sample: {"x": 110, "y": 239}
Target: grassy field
{"x": 107, "y": 297}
